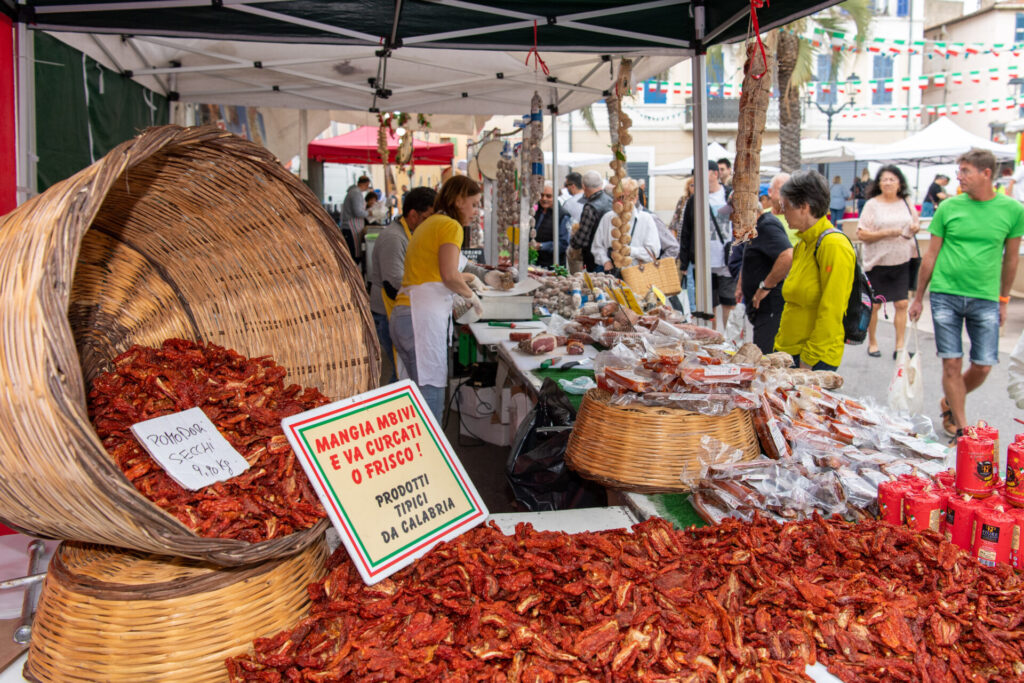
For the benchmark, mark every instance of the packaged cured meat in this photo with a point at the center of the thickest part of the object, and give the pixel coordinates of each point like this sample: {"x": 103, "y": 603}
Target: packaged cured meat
{"x": 748, "y": 354}
{"x": 638, "y": 381}
{"x": 574, "y": 347}
{"x": 705, "y": 335}
{"x": 975, "y": 474}
{"x": 519, "y": 336}
{"x": 717, "y": 374}
{"x": 539, "y": 345}
{"x": 773, "y": 443}
{"x": 993, "y": 529}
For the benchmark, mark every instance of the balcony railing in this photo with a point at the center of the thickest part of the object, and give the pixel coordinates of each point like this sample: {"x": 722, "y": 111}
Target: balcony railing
{"x": 727, "y": 110}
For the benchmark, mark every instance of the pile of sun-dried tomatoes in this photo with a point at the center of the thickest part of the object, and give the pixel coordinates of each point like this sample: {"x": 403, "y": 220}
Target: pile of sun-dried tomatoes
{"x": 738, "y": 602}
{"x": 246, "y": 398}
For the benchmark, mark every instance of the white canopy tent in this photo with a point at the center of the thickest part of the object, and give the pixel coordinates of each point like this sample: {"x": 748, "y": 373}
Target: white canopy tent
{"x": 684, "y": 167}
{"x": 818, "y": 151}
{"x": 940, "y": 143}
{"x": 424, "y": 56}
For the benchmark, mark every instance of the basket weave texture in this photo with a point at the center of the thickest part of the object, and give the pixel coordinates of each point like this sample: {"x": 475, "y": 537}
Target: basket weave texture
{"x": 180, "y": 232}
{"x": 646, "y": 448}
{"x": 113, "y": 615}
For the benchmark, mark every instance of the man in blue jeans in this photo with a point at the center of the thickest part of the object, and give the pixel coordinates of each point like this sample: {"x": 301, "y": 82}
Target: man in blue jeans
{"x": 970, "y": 264}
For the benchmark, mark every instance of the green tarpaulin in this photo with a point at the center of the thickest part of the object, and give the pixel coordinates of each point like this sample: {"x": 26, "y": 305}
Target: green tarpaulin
{"x": 84, "y": 110}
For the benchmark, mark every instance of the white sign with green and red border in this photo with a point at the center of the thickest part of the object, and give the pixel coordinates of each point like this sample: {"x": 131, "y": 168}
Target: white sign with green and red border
{"x": 387, "y": 476}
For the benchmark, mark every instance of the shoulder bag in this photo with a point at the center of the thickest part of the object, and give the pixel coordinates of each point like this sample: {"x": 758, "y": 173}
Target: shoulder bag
{"x": 915, "y": 261}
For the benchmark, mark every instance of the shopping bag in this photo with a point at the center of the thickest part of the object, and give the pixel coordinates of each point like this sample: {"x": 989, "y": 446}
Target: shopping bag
{"x": 735, "y": 325}
{"x": 906, "y": 389}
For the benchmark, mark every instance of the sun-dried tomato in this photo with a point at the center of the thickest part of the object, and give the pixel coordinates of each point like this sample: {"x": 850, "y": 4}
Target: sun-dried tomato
{"x": 246, "y": 399}
{"x": 738, "y": 601}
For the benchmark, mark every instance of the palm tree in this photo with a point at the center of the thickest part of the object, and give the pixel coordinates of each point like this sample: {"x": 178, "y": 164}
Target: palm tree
{"x": 796, "y": 67}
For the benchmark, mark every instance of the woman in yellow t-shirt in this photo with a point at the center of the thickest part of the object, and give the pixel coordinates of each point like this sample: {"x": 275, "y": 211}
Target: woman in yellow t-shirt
{"x": 421, "y": 320}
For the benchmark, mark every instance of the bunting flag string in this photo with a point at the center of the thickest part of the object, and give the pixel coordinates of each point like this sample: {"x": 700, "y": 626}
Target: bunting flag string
{"x": 947, "y": 109}
{"x": 923, "y": 82}
{"x": 841, "y": 41}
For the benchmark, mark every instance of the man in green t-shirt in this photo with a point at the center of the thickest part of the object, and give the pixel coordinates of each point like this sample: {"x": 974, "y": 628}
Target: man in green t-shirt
{"x": 971, "y": 263}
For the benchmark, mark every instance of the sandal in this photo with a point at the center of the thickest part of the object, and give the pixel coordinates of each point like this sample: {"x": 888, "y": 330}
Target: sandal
{"x": 948, "y": 426}
{"x": 875, "y": 354}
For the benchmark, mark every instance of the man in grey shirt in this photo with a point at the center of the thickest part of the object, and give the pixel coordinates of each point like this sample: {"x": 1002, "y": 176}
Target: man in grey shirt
{"x": 388, "y": 263}
{"x": 353, "y": 216}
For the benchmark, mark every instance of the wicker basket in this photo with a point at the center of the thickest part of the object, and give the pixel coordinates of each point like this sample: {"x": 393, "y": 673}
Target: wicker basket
{"x": 646, "y": 448}
{"x": 663, "y": 274}
{"x": 192, "y": 233}
{"x": 114, "y": 615}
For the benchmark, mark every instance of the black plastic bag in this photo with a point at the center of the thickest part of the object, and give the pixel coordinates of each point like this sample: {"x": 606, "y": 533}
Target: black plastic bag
{"x": 536, "y": 468}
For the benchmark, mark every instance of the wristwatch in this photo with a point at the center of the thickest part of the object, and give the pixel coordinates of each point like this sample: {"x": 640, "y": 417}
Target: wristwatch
{"x": 767, "y": 289}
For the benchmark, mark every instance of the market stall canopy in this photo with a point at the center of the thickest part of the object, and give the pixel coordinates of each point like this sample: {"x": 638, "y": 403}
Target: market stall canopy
{"x": 818, "y": 151}
{"x": 940, "y": 143}
{"x": 427, "y": 56}
{"x": 684, "y": 167}
{"x": 360, "y": 147}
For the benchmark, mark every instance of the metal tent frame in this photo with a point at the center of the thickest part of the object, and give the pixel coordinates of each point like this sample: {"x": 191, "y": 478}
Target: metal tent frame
{"x": 293, "y": 52}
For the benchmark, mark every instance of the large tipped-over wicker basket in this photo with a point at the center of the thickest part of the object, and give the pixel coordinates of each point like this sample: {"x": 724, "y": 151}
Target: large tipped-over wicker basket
{"x": 192, "y": 233}
{"x": 125, "y": 616}
{"x": 647, "y": 448}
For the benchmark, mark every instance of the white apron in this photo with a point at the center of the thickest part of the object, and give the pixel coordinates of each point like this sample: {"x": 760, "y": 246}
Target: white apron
{"x": 431, "y": 304}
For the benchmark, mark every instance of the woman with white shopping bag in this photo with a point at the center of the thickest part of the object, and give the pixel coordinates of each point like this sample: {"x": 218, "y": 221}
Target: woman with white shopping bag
{"x": 421, "y": 322}
{"x": 906, "y": 389}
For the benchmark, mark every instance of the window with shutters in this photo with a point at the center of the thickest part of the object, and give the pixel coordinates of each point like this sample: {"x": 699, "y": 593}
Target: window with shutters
{"x": 881, "y": 70}
{"x": 826, "y": 86}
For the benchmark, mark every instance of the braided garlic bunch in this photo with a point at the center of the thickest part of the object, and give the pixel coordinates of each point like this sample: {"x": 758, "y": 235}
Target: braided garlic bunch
{"x": 618, "y": 124}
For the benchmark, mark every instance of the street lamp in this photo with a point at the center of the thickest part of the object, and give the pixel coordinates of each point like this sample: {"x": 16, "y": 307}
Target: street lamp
{"x": 831, "y": 110}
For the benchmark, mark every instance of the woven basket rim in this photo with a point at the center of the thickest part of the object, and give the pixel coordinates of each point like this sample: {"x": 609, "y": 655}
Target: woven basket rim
{"x": 217, "y": 577}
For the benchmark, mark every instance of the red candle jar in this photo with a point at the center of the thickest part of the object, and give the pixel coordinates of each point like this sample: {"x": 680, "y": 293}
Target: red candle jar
{"x": 975, "y": 473}
{"x": 993, "y": 530}
{"x": 923, "y": 510}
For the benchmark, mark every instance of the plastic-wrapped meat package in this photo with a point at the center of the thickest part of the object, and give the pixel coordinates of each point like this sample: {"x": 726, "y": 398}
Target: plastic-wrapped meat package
{"x": 705, "y": 335}
{"x": 769, "y": 434}
{"x": 711, "y": 375}
{"x": 556, "y": 325}
{"x": 712, "y": 405}
{"x": 574, "y": 347}
{"x": 860, "y": 493}
{"x": 636, "y": 380}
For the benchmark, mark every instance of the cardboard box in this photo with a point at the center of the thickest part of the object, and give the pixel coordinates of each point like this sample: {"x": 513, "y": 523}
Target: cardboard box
{"x": 479, "y": 401}
{"x": 487, "y": 429}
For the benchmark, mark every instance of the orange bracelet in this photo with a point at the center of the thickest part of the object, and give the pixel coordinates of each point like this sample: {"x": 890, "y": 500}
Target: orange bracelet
{"x": 1004, "y": 299}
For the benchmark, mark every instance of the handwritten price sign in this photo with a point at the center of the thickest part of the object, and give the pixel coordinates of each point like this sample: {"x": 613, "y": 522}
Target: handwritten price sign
{"x": 190, "y": 449}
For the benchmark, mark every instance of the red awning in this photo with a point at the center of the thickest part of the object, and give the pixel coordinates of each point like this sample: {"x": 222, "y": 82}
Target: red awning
{"x": 360, "y": 147}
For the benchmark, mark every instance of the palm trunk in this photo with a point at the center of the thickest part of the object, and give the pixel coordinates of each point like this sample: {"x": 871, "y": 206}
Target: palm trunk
{"x": 789, "y": 103}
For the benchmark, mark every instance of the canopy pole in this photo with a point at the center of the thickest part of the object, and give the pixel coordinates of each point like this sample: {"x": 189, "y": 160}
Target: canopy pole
{"x": 701, "y": 269}
{"x": 303, "y": 145}
{"x": 28, "y": 183}
{"x": 554, "y": 179}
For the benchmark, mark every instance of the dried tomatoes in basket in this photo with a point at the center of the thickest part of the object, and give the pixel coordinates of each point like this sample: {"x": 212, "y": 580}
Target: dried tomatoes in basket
{"x": 246, "y": 398}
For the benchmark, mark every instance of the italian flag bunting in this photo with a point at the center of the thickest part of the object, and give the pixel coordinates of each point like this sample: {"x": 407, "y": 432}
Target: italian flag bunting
{"x": 922, "y": 82}
{"x": 939, "y": 80}
{"x": 975, "y": 76}
{"x": 958, "y": 78}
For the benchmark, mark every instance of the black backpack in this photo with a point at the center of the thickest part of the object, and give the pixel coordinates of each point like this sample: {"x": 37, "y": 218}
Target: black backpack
{"x": 858, "y": 309}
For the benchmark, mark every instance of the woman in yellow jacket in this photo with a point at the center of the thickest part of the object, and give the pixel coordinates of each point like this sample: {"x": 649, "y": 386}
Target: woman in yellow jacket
{"x": 817, "y": 289}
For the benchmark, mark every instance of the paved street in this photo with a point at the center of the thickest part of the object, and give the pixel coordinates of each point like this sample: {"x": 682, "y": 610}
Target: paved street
{"x": 866, "y": 376}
